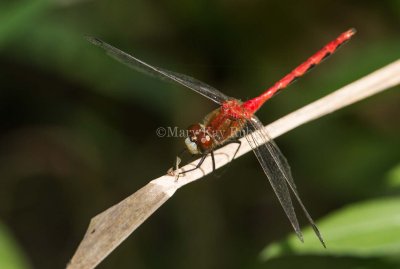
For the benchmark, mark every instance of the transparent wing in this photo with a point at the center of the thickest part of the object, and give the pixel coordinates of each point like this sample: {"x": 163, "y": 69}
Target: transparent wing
{"x": 278, "y": 172}
{"x": 189, "y": 82}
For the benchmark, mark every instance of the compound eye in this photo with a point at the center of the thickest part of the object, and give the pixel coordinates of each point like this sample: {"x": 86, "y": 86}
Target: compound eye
{"x": 191, "y": 146}
{"x": 205, "y": 140}
{"x": 193, "y": 137}
{"x": 194, "y": 130}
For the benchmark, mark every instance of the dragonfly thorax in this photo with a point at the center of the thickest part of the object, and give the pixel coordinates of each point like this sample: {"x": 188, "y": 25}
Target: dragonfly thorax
{"x": 219, "y": 126}
{"x": 234, "y": 109}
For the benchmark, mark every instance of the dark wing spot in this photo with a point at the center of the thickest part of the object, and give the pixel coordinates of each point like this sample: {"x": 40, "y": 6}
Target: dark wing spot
{"x": 294, "y": 80}
{"x": 326, "y": 56}
{"x": 311, "y": 67}
{"x": 341, "y": 44}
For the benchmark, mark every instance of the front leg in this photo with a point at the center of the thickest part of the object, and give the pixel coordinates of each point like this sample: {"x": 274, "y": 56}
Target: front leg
{"x": 197, "y": 166}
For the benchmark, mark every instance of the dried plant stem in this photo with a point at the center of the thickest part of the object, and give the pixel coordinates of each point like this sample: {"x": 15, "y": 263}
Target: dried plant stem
{"x": 108, "y": 229}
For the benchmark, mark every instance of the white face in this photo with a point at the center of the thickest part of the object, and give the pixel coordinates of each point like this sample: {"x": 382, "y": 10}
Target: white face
{"x": 192, "y": 147}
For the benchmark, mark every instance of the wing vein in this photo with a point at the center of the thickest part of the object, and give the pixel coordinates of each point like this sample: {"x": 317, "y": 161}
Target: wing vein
{"x": 160, "y": 73}
{"x": 278, "y": 172}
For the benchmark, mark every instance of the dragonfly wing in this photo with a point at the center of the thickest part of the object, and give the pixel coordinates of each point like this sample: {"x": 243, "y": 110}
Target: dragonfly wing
{"x": 189, "y": 82}
{"x": 278, "y": 172}
{"x": 275, "y": 177}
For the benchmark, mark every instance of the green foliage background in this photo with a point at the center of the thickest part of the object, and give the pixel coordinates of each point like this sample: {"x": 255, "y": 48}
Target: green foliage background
{"x": 78, "y": 131}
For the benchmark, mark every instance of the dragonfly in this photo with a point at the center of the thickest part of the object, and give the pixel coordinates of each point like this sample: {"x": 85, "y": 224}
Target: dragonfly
{"x": 224, "y": 124}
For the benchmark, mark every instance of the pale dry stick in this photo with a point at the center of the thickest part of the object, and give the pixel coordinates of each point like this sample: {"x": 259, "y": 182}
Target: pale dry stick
{"x": 108, "y": 229}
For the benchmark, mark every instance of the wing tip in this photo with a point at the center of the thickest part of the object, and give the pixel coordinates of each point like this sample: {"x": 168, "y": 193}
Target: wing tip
{"x": 318, "y": 234}
{"x": 93, "y": 40}
{"x": 320, "y": 238}
{"x": 300, "y": 236}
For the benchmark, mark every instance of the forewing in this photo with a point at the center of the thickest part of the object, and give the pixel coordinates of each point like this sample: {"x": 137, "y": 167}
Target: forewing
{"x": 189, "y": 82}
{"x": 278, "y": 172}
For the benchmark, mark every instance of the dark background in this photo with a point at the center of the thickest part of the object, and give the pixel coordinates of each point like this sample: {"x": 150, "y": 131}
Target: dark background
{"x": 78, "y": 129}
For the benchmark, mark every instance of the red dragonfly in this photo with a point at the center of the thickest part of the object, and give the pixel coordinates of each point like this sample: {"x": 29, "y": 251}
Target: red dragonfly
{"x": 223, "y": 125}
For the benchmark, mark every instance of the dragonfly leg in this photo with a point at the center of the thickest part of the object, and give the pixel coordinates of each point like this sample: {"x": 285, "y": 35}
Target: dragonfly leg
{"x": 237, "y": 150}
{"x": 217, "y": 175}
{"x": 197, "y": 166}
{"x": 213, "y": 160}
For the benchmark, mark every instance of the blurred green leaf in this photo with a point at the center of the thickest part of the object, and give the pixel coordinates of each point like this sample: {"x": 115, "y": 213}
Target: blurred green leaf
{"x": 63, "y": 49}
{"x": 16, "y": 17}
{"x": 329, "y": 262}
{"x": 11, "y": 257}
{"x": 394, "y": 177}
{"x": 364, "y": 229}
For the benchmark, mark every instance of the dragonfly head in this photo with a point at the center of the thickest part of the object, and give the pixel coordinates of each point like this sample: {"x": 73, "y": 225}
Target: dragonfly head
{"x": 198, "y": 140}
